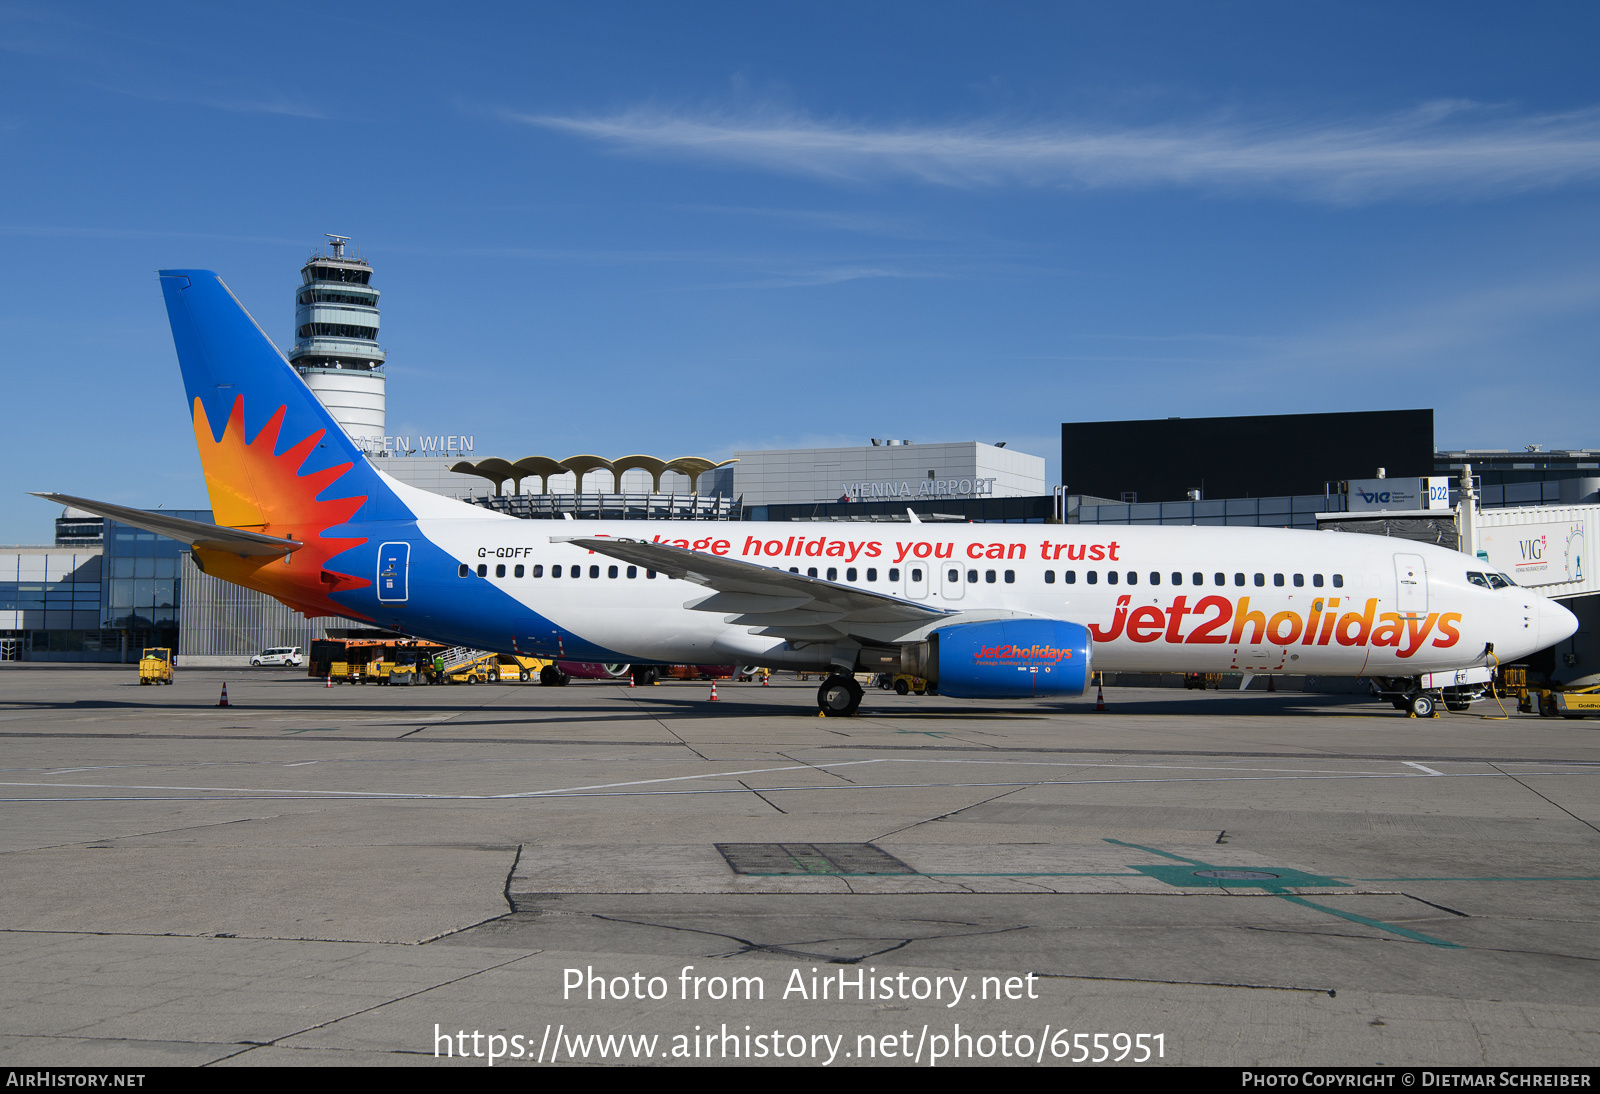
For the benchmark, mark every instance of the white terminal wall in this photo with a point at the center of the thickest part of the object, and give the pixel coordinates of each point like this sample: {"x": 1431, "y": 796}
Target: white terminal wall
{"x": 803, "y": 475}
{"x": 434, "y": 474}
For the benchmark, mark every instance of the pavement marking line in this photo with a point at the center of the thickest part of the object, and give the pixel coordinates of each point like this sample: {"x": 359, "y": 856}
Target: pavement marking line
{"x": 577, "y": 791}
{"x": 1420, "y": 767}
{"x": 1293, "y": 899}
{"x": 1379, "y": 924}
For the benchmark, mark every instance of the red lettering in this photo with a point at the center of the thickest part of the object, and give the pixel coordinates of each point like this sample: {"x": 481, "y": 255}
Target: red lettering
{"x": 922, "y": 550}
{"x": 1387, "y": 632}
{"x": 774, "y": 547}
{"x": 905, "y": 549}
{"x": 1074, "y": 552}
{"x": 1203, "y": 633}
{"x": 1146, "y": 624}
{"x": 814, "y": 550}
{"x": 874, "y": 549}
{"x": 1447, "y": 623}
{"x": 974, "y": 550}
{"x": 720, "y": 547}
{"x": 1097, "y": 553}
{"x": 1363, "y": 625}
{"x": 1114, "y": 546}
{"x": 1117, "y": 622}
{"x": 1245, "y": 617}
{"x": 1417, "y": 637}
{"x": 1275, "y": 629}
{"x": 1016, "y": 550}
{"x": 945, "y": 553}
{"x": 752, "y": 545}
{"x": 836, "y": 549}
{"x": 1175, "y": 616}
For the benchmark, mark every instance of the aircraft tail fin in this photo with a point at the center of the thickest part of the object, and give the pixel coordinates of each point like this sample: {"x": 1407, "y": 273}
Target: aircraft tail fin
{"x": 275, "y": 460}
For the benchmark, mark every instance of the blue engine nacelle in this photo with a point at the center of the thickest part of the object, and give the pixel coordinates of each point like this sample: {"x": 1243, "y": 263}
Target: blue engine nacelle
{"x": 1006, "y": 659}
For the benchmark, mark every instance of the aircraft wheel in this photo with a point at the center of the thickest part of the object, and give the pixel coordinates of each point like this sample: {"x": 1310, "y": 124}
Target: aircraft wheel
{"x": 1421, "y": 706}
{"x": 645, "y": 675}
{"x": 552, "y": 677}
{"x": 901, "y": 687}
{"x": 839, "y": 696}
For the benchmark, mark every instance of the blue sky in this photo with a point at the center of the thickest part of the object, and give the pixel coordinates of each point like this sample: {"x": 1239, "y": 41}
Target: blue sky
{"x": 692, "y": 228}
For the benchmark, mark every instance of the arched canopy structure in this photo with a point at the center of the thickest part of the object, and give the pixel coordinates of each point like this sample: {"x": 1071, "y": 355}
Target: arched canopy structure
{"x": 640, "y": 463}
{"x": 694, "y": 467}
{"x": 494, "y": 469}
{"x": 582, "y": 465}
{"x": 540, "y": 466}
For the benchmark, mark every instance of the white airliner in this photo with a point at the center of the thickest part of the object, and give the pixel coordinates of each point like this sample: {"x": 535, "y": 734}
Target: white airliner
{"x": 979, "y": 610}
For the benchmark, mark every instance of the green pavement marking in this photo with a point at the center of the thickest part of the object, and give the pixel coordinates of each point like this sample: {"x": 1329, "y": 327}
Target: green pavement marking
{"x": 1352, "y": 917}
{"x": 1274, "y": 880}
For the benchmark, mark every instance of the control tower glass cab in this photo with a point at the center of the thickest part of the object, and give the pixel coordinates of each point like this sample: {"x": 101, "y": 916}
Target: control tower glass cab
{"x": 336, "y": 347}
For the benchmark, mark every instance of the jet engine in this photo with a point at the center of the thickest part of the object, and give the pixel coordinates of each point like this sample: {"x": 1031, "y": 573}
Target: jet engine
{"x": 1004, "y": 659}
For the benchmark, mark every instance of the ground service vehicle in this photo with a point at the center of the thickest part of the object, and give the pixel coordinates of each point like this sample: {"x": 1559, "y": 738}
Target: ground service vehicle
{"x": 979, "y": 611}
{"x": 155, "y": 666}
{"x": 279, "y": 655}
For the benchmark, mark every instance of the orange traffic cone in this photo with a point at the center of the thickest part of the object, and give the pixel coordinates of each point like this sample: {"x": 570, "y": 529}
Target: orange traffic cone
{"x": 765, "y": 677}
{"x": 713, "y": 691}
{"x": 224, "y": 700}
{"x": 330, "y": 680}
{"x": 631, "y": 682}
{"x": 1100, "y": 694}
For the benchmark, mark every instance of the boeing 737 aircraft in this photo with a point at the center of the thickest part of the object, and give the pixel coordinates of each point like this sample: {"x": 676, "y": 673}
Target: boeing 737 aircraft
{"x": 987, "y": 611}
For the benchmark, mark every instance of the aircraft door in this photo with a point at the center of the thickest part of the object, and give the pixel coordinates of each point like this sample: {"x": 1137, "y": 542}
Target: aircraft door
{"x": 394, "y": 564}
{"x": 951, "y": 586}
{"x": 1411, "y": 585}
{"x": 916, "y": 580}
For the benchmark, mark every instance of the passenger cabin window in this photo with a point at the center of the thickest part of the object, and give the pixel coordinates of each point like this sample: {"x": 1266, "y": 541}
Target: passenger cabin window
{"x": 555, "y": 571}
{"x": 833, "y": 573}
{"x": 500, "y": 570}
{"x": 1091, "y": 576}
{"x": 483, "y": 571}
{"x": 1316, "y": 580}
{"x": 538, "y": 571}
{"x": 1238, "y": 579}
{"x": 1220, "y": 579}
{"x": 1049, "y": 577}
{"x": 811, "y": 571}
{"x": 972, "y": 577}
{"x": 1133, "y": 578}
{"x": 988, "y": 576}
{"x": 872, "y": 573}
{"x": 894, "y": 573}
{"x": 633, "y": 571}
{"x": 1177, "y": 578}
{"x": 519, "y": 571}
{"x": 1277, "y": 580}
{"x": 1069, "y": 576}
{"x": 850, "y": 574}
{"x": 1338, "y": 581}
{"x": 650, "y": 575}
{"x": 1261, "y": 580}
{"x": 1011, "y": 577}
{"x": 1155, "y": 578}
{"x": 464, "y": 571}
{"x": 611, "y": 571}
{"x": 916, "y": 573}
{"x": 1299, "y": 581}
{"x": 576, "y": 571}
{"x": 1111, "y": 577}
{"x": 952, "y": 576}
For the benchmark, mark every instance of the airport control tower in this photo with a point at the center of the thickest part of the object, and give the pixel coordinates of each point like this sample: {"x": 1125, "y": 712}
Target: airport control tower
{"x": 336, "y": 341}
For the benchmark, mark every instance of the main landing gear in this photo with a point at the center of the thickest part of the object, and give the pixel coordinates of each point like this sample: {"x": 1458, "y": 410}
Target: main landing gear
{"x": 839, "y": 696}
{"x": 552, "y": 677}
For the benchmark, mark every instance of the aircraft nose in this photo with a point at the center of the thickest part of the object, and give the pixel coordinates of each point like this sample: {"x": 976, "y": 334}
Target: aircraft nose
{"x": 1556, "y": 624}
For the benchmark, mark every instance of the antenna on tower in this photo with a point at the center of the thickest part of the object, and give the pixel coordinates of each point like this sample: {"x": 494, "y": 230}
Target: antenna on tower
{"x": 337, "y": 243}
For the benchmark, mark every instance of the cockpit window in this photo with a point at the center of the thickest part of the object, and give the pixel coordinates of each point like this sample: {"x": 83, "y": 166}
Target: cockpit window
{"x": 1501, "y": 581}
{"x": 1474, "y": 578}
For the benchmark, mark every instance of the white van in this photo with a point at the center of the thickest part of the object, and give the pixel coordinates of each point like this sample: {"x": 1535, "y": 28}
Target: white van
{"x": 280, "y": 655}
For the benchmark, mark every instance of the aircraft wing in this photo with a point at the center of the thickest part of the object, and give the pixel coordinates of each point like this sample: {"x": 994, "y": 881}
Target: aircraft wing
{"x": 193, "y": 532}
{"x": 781, "y": 604}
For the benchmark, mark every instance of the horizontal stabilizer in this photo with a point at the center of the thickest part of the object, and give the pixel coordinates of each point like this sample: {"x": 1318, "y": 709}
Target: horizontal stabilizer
{"x": 193, "y": 532}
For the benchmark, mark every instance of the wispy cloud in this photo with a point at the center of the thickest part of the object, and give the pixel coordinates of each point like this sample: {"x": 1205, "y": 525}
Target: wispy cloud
{"x": 1454, "y": 148}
